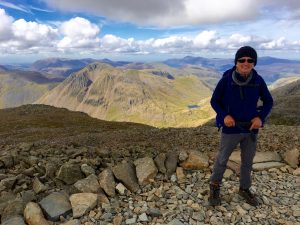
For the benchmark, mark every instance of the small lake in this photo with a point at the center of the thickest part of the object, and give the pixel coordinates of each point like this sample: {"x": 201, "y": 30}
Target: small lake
{"x": 193, "y": 106}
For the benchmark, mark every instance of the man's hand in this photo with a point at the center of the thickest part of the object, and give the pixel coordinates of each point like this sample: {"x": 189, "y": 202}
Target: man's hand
{"x": 256, "y": 123}
{"x": 229, "y": 121}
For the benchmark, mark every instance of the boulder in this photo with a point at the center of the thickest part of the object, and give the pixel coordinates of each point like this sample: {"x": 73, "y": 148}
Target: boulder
{"x": 145, "y": 170}
{"x": 69, "y": 173}
{"x": 171, "y": 163}
{"x": 55, "y": 205}
{"x": 196, "y": 161}
{"x": 89, "y": 184}
{"x": 107, "y": 182}
{"x": 160, "y": 162}
{"x": 125, "y": 172}
{"x": 267, "y": 165}
{"x": 82, "y": 203}
{"x": 291, "y": 157}
{"x": 34, "y": 215}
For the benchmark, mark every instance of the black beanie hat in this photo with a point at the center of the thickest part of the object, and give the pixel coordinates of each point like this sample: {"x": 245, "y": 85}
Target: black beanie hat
{"x": 246, "y": 51}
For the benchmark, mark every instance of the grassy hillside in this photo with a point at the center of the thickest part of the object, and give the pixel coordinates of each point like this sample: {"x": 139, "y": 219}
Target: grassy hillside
{"x": 22, "y": 87}
{"x": 286, "y": 104}
{"x": 140, "y": 96}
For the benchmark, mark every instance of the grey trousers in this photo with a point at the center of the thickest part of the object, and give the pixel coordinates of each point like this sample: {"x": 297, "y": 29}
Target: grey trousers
{"x": 248, "y": 148}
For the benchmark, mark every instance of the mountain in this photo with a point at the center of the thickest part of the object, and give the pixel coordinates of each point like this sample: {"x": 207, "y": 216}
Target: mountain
{"x": 23, "y": 87}
{"x": 209, "y": 76}
{"x": 270, "y": 68}
{"x": 282, "y": 82}
{"x": 64, "y": 67}
{"x": 267, "y": 60}
{"x": 3, "y": 68}
{"x": 286, "y": 104}
{"x": 143, "y": 96}
{"x": 214, "y": 63}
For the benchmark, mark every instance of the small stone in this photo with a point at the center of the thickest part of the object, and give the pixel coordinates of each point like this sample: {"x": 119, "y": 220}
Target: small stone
{"x": 118, "y": 220}
{"x": 72, "y": 222}
{"x": 131, "y": 221}
{"x": 38, "y": 186}
{"x": 121, "y": 189}
{"x": 143, "y": 217}
{"x": 87, "y": 170}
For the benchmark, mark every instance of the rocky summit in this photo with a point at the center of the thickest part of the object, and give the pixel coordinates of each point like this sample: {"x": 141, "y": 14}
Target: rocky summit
{"x": 62, "y": 167}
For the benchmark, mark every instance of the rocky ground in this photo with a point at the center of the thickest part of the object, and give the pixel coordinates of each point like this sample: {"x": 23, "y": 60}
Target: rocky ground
{"x": 59, "y": 167}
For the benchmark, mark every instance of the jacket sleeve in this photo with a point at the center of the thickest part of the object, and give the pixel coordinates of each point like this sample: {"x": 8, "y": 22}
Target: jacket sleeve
{"x": 216, "y": 99}
{"x": 267, "y": 100}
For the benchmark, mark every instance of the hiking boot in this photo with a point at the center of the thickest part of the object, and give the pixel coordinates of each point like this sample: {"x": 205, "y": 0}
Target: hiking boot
{"x": 249, "y": 197}
{"x": 214, "y": 194}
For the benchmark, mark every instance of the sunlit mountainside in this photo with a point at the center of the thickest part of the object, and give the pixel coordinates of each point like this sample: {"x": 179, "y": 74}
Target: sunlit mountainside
{"x": 286, "y": 104}
{"x": 148, "y": 96}
{"x": 23, "y": 87}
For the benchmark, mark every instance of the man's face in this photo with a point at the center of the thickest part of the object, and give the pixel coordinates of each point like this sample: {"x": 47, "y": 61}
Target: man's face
{"x": 244, "y": 65}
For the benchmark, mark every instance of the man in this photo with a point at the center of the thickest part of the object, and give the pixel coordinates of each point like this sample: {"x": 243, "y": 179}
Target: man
{"x": 235, "y": 101}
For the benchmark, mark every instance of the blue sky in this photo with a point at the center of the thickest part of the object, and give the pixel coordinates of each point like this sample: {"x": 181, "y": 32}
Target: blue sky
{"x": 146, "y": 30}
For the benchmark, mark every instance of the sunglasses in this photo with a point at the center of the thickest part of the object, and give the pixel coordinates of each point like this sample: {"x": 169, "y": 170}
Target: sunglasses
{"x": 244, "y": 60}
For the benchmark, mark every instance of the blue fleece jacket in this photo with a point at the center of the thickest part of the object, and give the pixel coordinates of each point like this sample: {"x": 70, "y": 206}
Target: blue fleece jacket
{"x": 240, "y": 102}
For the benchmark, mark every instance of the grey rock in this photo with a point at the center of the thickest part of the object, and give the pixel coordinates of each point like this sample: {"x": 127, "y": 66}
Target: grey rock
{"x": 145, "y": 170}
{"x": 107, "y": 182}
{"x": 15, "y": 220}
{"x": 87, "y": 170}
{"x": 72, "y": 222}
{"x": 267, "y": 165}
{"x": 171, "y": 162}
{"x": 125, "y": 172}
{"x": 160, "y": 162}
{"x": 51, "y": 168}
{"x": 7, "y": 161}
{"x": 12, "y": 209}
{"x": 89, "y": 184}
{"x": 55, "y": 205}
{"x": 28, "y": 196}
{"x": 38, "y": 186}
{"x": 154, "y": 212}
{"x": 143, "y": 217}
{"x": 70, "y": 173}
{"x": 259, "y": 157}
{"x": 9, "y": 182}
{"x": 175, "y": 222}
{"x": 291, "y": 157}
{"x": 183, "y": 155}
{"x": 131, "y": 221}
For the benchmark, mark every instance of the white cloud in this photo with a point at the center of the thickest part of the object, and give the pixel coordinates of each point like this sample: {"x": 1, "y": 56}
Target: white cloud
{"x": 275, "y": 44}
{"x": 23, "y": 36}
{"x": 78, "y": 33}
{"x": 79, "y": 28}
{"x": 5, "y": 25}
{"x": 204, "y": 39}
{"x": 33, "y": 34}
{"x": 235, "y": 41}
{"x": 111, "y": 43}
